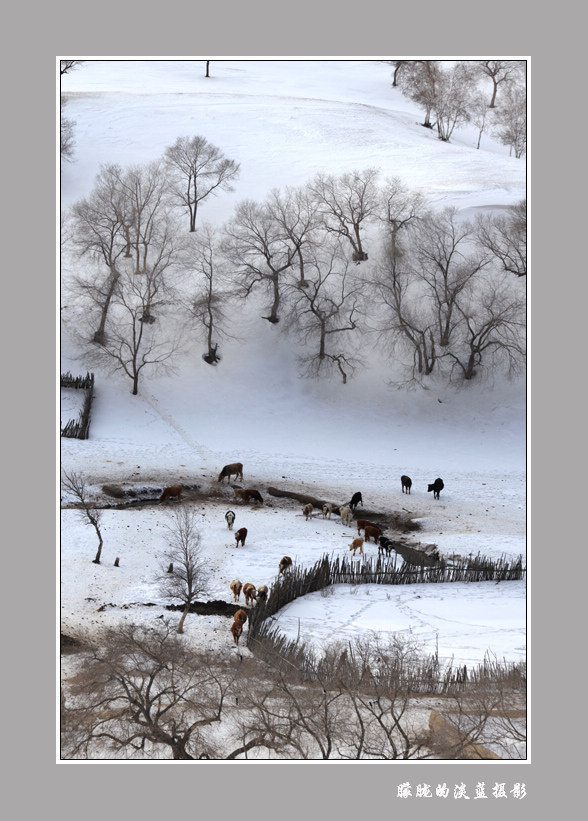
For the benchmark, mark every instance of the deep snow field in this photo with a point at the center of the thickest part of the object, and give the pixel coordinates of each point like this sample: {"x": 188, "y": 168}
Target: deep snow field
{"x": 284, "y": 121}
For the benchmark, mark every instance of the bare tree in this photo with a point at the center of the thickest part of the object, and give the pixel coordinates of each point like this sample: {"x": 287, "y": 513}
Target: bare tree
{"x": 347, "y": 203}
{"x": 490, "y": 330}
{"x": 406, "y": 321}
{"x": 346, "y": 704}
{"x": 297, "y": 214}
{"x": 478, "y": 112}
{"x": 418, "y": 81}
{"x": 501, "y": 72}
{"x": 261, "y": 250}
{"x": 98, "y": 233}
{"x": 487, "y": 715}
{"x": 190, "y": 575}
{"x": 325, "y": 310}
{"x": 66, "y": 66}
{"x": 66, "y": 133}
{"x": 143, "y": 693}
{"x": 124, "y": 225}
{"x": 510, "y": 122}
{"x": 399, "y": 209}
{"x": 209, "y": 296}
{"x": 147, "y": 226}
{"x": 397, "y": 67}
{"x": 452, "y": 98}
{"x": 197, "y": 169}
{"x": 441, "y": 309}
{"x": 136, "y": 339}
{"x": 75, "y": 484}
{"x": 505, "y": 236}
{"x": 446, "y": 260}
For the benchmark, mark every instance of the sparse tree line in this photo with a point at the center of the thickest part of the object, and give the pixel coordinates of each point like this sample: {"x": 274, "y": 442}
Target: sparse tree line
{"x": 436, "y": 292}
{"x": 453, "y": 96}
{"x": 142, "y": 693}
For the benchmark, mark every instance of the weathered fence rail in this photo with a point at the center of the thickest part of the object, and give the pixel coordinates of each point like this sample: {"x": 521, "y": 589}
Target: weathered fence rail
{"x": 264, "y": 637}
{"x": 79, "y": 428}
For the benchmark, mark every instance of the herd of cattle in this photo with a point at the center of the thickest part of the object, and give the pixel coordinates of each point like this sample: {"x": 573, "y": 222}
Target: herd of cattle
{"x": 252, "y": 594}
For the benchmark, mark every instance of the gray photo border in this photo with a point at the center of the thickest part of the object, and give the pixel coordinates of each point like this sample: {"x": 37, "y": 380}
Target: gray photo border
{"x": 330, "y": 30}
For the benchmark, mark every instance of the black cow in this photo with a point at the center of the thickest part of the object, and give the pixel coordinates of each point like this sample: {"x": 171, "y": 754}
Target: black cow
{"x": 436, "y": 487}
{"x": 355, "y": 501}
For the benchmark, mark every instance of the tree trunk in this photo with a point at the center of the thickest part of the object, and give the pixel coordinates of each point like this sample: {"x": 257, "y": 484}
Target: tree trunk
{"x": 273, "y": 317}
{"x": 183, "y": 619}
{"x": 97, "y": 559}
{"x": 493, "y": 100}
{"x": 100, "y": 335}
{"x": 180, "y": 754}
{"x": 207, "y": 69}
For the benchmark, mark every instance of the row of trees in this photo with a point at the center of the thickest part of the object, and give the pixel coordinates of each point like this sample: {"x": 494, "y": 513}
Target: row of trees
{"x": 142, "y": 693}
{"x": 438, "y": 292}
{"x": 452, "y": 96}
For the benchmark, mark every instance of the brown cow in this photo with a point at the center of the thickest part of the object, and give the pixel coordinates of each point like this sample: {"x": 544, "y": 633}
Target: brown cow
{"x": 168, "y": 492}
{"x": 250, "y": 493}
{"x": 237, "y": 625}
{"x": 236, "y": 587}
{"x": 327, "y": 510}
{"x": 240, "y": 536}
{"x": 241, "y": 615}
{"x": 262, "y": 592}
{"x": 307, "y": 511}
{"x": 363, "y": 523}
{"x": 406, "y": 482}
{"x": 285, "y": 564}
{"x": 236, "y": 630}
{"x": 357, "y": 544}
{"x": 250, "y": 593}
{"x": 236, "y": 469}
{"x": 372, "y": 532}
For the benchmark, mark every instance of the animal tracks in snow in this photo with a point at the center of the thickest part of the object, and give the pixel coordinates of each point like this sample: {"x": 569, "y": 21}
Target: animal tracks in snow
{"x": 203, "y": 452}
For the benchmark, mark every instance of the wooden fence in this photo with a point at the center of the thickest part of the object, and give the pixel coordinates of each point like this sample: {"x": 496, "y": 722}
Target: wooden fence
{"x": 265, "y": 639}
{"x": 80, "y": 428}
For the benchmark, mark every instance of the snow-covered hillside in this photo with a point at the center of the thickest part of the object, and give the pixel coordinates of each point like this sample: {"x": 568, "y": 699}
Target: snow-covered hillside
{"x": 284, "y": 121}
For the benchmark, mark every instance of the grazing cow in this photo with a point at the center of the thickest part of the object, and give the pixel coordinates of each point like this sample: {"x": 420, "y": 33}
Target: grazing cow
{"x": 241, "y": 615}
{"x": 385, "y": 545}
{"x": 307, "y": 511}
{"x": 240, "y": 536}
{"x": 262, "y": 592}
{"x": 250, "y": 593}
{"x": 356, "y": 544}
{"x": 250, "y": 493}
{"x": 362, "y": 523}
{"x": 236, "y": 630}
{"x": 327, "y": 510}
{"x": 236, "y": 587}
{"x": 168, "y": 492}
{"x": 406, "y": 482}
{"x": 436, "y": 487}
{"x": 230, "y": 518}
{"x": 285, "y": 564}
{"x": 355, "y": 501}
{"x": 236, "y": 469}
{"x": 372, "y": 532}
{"x": 346, "y": 515}
{"x": 237, "y": 625}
